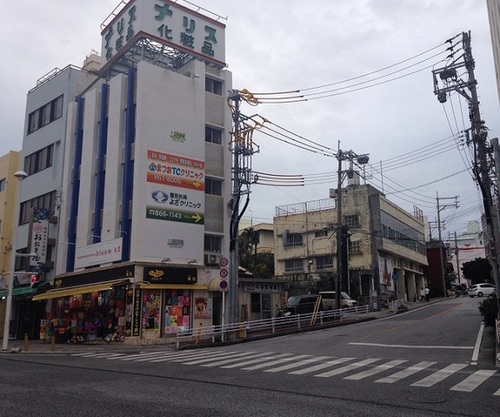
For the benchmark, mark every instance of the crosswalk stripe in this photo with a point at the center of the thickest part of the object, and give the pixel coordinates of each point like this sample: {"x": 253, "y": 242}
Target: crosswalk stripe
{"x": 194, "y": 360}
{"x": 439, "y": 375}
{"x": 406, "y": 372}
{"x": 227, "y": 356}
{"x": 377, "y": 369}
{"x": 315, "y": 368}
{"x": 230, "y": 360}
{"x": 184, "y": 355}
{"x": 136, "y": 356}
{"x": 347, "y": 368}
{"x": 298, "y": 364}
{"x": 497, "y": 393}
{"x": 275, "y": 362}
{"x": 255, "y": 360}
{"x": 473, "y": 381}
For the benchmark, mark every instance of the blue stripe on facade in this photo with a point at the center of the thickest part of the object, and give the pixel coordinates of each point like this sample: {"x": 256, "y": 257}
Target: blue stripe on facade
{"x": 101, "y": 151}
{"x": 128, "y": 167}
{"x": 75, "y": 186}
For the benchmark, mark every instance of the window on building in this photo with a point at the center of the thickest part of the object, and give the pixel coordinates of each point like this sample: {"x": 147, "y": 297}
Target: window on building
{"x": 294, "y": 265}
{"x": 355, "y": 247}
{"x": 45, "y": 114}
{"x": 324, "y": 262}
{"x": 213, "y": 244}
{"x": 293, "y": 239}
{"x": 213, "y": 135}
{"x": 321, "y": 233}
{"x": 39, "y": 160}
{"x": 213, "y": 186}
{"x": 213, "y": 86}
{"x": 46, "y": 201}
{"x": 402, "y": 234}
{"x": 352, "y": 221}
{"x": 2, "y": 184}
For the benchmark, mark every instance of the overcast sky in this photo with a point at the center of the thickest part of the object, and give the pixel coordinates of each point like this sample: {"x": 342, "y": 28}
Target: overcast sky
{"x": 283, "y": 45}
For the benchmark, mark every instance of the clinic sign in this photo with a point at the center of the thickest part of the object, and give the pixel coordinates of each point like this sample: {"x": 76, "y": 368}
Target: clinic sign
{"x": 169, "y": 23}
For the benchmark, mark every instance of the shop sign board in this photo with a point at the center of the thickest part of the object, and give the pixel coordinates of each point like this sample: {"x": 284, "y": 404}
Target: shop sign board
{"x": 39, "y": 238}
{"x": 169, "y": 23}
{"x": 99, "y": 253}
{"x": 170, "y": 275}
{"x": 261, "y": 287}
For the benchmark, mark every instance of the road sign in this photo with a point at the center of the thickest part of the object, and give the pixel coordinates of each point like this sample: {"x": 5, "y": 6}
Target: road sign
{"x": 224, "y": 262}
{"x": 224, "y": 273}
{"x": 223, "y": 285}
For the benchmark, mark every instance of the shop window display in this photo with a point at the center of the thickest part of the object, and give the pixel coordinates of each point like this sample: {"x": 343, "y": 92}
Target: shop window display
{"x": 89, "y": 317}
{"x": 177, "y": 307}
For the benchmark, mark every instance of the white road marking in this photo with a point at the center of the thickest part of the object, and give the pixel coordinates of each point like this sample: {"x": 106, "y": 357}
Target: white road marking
{"x": 347, "y": 368}
{"x": 412, "y": 346}
{"x": 473, "y": 381}
{"x": 440, "y": 375}
{"x": 406, "y": 372}
{"x": 375, "y": 370}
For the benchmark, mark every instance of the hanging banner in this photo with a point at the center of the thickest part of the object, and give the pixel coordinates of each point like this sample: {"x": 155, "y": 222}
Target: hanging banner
{"x": 39, "y": 238}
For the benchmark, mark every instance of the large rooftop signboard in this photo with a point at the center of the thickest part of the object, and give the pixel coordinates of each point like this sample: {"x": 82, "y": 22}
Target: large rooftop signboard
{"x": 168, "y": 23}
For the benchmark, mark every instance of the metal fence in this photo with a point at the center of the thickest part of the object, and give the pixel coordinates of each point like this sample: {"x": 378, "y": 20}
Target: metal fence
{"x": 269, "y": 327}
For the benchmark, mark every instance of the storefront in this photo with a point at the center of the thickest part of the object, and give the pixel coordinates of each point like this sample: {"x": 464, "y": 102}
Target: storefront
{"x": 142, "y": 305}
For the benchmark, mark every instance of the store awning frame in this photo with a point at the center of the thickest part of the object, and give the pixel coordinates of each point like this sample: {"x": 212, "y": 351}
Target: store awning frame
{"x": 158, "y": 286}
{"x": 81, "y": 289}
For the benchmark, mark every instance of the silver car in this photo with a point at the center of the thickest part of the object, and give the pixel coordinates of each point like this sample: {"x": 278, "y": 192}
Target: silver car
{"x": 481, "y": 289}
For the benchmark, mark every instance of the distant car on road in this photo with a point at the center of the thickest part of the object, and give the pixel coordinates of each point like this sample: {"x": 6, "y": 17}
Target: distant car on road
{"x": 481, "y": 289}
{"x": 328, "y": 299}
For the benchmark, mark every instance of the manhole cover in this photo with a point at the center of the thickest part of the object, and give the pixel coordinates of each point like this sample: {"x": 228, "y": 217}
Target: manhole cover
{"x": 427, "y": 400}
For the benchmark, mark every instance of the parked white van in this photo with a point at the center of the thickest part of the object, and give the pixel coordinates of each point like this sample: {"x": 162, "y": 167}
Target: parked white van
{"x": 328, "y": 300}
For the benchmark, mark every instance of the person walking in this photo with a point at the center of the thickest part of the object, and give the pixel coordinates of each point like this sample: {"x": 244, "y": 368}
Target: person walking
{"x": 422, "y": 295}
{"x": 427, "y": 294}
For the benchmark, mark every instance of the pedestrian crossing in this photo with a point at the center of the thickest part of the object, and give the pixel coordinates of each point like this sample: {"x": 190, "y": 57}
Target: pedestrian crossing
{"x": 429, "y": 373}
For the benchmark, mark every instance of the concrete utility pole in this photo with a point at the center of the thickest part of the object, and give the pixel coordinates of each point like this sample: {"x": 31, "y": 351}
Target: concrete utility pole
{"x": 483, "y": 166}
{"x": 342, "y": 229}
{"x": 440, "y": 241}
{"x": 242, "y": 150}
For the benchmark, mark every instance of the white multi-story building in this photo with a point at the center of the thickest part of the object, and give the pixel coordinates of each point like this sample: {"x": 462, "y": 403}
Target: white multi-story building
{"x": 143, "y": 220}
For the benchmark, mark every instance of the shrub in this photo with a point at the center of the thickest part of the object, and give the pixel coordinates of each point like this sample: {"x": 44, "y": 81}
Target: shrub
{"x": 489, "y": 310}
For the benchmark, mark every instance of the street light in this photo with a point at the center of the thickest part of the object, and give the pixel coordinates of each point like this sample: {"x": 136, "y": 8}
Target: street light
{"x": 20, "y": 175}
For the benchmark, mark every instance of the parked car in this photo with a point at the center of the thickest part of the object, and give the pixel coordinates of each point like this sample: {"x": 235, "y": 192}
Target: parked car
{"x": 328, "y": 300}
{"x": 302, "y": 304}
{"x": 481, "y": 289}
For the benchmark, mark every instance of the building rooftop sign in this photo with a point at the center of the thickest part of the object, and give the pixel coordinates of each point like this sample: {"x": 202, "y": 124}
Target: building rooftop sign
{"x": 168, "y": 23}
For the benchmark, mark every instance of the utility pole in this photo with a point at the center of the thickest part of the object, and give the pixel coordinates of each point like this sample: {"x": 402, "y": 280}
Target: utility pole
{"x": 242, "y": 150}
{"x": 483, "y": 164}
{"x": 342, "y": 230}
{"x": 440, "y": 241}
{"x": 456, "y": 256}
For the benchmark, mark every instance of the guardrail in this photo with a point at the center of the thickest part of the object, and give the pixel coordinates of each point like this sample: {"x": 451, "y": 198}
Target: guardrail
{"x": 271, "y": 326}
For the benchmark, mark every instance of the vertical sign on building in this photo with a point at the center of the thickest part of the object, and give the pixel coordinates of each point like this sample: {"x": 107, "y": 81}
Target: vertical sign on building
{"x": 39, "y": 237}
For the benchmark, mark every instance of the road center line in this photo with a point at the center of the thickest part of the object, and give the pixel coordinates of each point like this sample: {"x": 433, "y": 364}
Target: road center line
{"x": 412, "y": 346}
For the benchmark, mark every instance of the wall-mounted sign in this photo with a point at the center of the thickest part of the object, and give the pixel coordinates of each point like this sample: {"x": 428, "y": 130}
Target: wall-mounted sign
{"x": 99, "y": 253}
{"x": 169, "y": 23}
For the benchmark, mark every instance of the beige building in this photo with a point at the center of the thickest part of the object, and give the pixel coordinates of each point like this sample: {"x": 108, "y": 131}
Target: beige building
{"x": 386, "y": 245}
{"x": 9, "y": 165}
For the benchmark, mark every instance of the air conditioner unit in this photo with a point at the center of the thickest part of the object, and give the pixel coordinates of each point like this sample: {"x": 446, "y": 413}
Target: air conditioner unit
{"x": 211, "y": 259}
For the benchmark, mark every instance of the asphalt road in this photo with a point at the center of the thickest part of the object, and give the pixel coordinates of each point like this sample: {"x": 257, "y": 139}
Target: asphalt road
{"x": 422, "y": 363}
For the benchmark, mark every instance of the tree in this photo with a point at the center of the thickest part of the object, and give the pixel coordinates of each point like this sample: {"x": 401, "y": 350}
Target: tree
{"x": 260, "y": 264}
{"x": 477, "y": 271}
{"x": 248, "y": 242}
